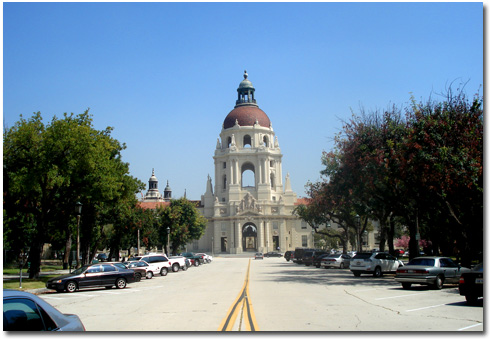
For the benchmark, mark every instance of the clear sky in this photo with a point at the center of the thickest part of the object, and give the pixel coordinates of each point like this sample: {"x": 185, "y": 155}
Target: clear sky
{"x": 165, "y": 75}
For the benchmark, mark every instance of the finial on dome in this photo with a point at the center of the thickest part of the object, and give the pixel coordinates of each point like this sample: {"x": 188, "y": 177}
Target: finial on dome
{"x": 245, "y": 75}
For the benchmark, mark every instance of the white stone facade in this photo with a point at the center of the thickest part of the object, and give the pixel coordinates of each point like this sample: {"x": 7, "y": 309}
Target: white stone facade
{"x": 253, "y": 215}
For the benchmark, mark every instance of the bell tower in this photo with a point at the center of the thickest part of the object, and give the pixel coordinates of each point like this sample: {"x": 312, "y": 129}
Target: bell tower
{"x": 247, "y": 158}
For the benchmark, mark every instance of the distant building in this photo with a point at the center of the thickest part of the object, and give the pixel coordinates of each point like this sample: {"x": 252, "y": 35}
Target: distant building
{"x": 153, "y": 194}
{"x": 250, "y": 207}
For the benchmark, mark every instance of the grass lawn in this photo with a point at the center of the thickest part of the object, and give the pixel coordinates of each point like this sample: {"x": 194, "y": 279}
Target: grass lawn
{"x": 27, "y": 283}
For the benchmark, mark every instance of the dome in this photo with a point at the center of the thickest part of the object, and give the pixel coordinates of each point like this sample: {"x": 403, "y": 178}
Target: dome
{"x": 245, "y": 84}
{"x": 246, "y": 115}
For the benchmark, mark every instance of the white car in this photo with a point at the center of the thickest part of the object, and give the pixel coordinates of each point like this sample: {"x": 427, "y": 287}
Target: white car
{"x": 24, "y": 311}
{"x": 207, "y": 258}
{"x": 375, "y": 263}
{"x": 159, "y": 263}
{"x": 177, "y": 263}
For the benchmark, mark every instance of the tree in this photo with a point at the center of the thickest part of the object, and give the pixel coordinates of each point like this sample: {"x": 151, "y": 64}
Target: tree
{"x": 48, "y": 168}
{"x": 185, "y": 223}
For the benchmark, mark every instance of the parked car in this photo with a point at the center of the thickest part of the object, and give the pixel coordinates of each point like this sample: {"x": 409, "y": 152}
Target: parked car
{"x": 430, "y": 270}
{"x": 375, "y": 263}
{"x": 309, "y": 255}
{"x": 317, "y": 260}
{"x": 336, "y": 260}
{"x": 138, "y": 272}
{"x": 159, "y": 263}
{"x": 195, "y": 259}
{"x": 299, "y": 254}
{"x": 273, "y": 254}
{"x": 259, "y": 256}
{"x": 23, "y": 311}
{"x": 289, "y": 255}
{"x": 102, "y": 257}
{"x": 143, "y": 269}
{"x": 207, "y": 258}
{"x": 471, "y": 284}
{"x": 94, "y": 275}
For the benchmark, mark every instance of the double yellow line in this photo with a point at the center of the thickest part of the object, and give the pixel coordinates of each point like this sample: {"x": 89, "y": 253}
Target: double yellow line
{"x": 241, "y": 303}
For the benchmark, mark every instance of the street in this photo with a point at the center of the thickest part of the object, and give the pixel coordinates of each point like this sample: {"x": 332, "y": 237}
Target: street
{"x": 279, "y": 296}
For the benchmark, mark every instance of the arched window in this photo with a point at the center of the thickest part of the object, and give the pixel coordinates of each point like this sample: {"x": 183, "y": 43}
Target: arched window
{"x": 247, "y": 141}
{"x": 248, "y": 175}
{"x": 273, "y": 183}
{"x": 266, "y": 141}
{"x": 229, "y": 142}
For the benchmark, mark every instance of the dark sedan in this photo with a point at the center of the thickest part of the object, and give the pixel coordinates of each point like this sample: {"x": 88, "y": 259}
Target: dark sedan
{"x": 273, "y": 254}
{"x": 95, "y": 275}
{"x": 471, "y": 284}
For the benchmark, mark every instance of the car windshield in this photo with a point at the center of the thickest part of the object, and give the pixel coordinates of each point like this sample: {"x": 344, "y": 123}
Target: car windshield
{"x": 422, "y": 262}
{"x": 80, "y": 270}
{"x": 362, "y": 256}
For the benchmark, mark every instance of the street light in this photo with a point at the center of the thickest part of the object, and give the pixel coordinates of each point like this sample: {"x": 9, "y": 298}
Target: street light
{"x": 78, "y": 211}
{"x": 168, "y": 239}
{"x": 358, "y": 226}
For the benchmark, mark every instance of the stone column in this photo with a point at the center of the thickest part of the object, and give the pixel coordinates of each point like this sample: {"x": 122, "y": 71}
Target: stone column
{"x": 238, "y": 238}
{"x": 282, "y": 236}
{"x": 260, "y": 238}
{"x": 267, "y": 236}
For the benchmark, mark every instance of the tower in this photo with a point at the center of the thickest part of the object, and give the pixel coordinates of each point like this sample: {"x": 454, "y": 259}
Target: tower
{"x": 250, "y": 207}
{"x": 153, "y": 194}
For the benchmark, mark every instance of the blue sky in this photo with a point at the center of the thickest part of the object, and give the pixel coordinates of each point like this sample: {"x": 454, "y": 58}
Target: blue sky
{"x": 165, "y": 75}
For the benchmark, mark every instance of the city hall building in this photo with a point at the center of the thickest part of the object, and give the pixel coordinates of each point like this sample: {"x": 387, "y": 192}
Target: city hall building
{"x": 249, "y": 206}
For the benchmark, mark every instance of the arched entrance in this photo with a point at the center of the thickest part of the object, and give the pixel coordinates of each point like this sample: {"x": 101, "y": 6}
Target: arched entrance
{"x": 249, "y": 237}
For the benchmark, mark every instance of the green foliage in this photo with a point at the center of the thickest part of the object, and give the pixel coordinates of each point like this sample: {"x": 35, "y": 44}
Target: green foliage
{"x": 423, "y": 168}
{"x": 47, "y": 169}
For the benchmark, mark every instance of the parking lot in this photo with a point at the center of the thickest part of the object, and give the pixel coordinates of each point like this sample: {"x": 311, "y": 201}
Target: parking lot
{"x": 285, "y": 297}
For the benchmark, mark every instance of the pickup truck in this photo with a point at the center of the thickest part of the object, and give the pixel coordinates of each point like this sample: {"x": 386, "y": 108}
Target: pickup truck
{"x": 177, "y": 262}
{"x": 195, "y": 259}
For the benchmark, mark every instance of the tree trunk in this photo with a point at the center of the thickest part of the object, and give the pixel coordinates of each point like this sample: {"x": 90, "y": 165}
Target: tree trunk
{"x": 66, "y": 256}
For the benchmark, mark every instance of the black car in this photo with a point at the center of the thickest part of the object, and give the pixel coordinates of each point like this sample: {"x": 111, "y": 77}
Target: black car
{"x": 471, "y": 284}
{"x": 289, "y": 255}
{"x": 317, "y": 260}
{"x": 309, "y": 255}
{"x": 102, "y": 258}
{"x": 95, "y": 275}
{"x": 273, "y": 254}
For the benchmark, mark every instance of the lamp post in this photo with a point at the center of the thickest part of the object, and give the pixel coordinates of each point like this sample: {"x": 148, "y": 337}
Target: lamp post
{"x": 168, "y": 240}
{"x": 313, "y": 237}
{"x": 78, "y": 211}
{"x": 22, "y": 261}
{"x": 358, "y": 226}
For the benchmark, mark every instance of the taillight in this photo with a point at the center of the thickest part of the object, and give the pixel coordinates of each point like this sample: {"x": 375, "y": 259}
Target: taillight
{"x": 402, "y": 271}
{"x": 461, "y": 279}
{"x": 421, "y": 271}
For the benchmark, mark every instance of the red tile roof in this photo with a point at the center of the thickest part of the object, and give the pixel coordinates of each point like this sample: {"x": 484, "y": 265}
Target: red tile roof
{"x": 302, "y": 200}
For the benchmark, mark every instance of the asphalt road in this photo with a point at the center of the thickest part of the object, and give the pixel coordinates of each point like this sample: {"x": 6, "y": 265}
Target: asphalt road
{"x": 273, "y": 295}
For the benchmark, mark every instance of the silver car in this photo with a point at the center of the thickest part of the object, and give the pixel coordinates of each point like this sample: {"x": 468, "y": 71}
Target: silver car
{"x": 430, "y": 270}
{"x": 336, "y": 260}
{"x": 24, "y": 311}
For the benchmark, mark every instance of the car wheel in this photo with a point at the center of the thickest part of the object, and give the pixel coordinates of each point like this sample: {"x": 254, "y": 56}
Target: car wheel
{"x": 149, "y": 275}
{"x": 71, "y": 286}
{"x": 318, "y": 266}
{"x": 471, "y": 300}
{"x": 406, "y": 285}
{"x": 175, "y": 267}
{"x": 438, "y": 282}
{"x": 121, "y": 283}
{"x": 341, "y": 266}
{"x": 196, "y": 263}
{"x": 184, "y": 268}
{"x": 377, "y": 272}
{"x": 164, "y": 271}
{"x": 137, "y": 277}
{"x": 357, "y": 274}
